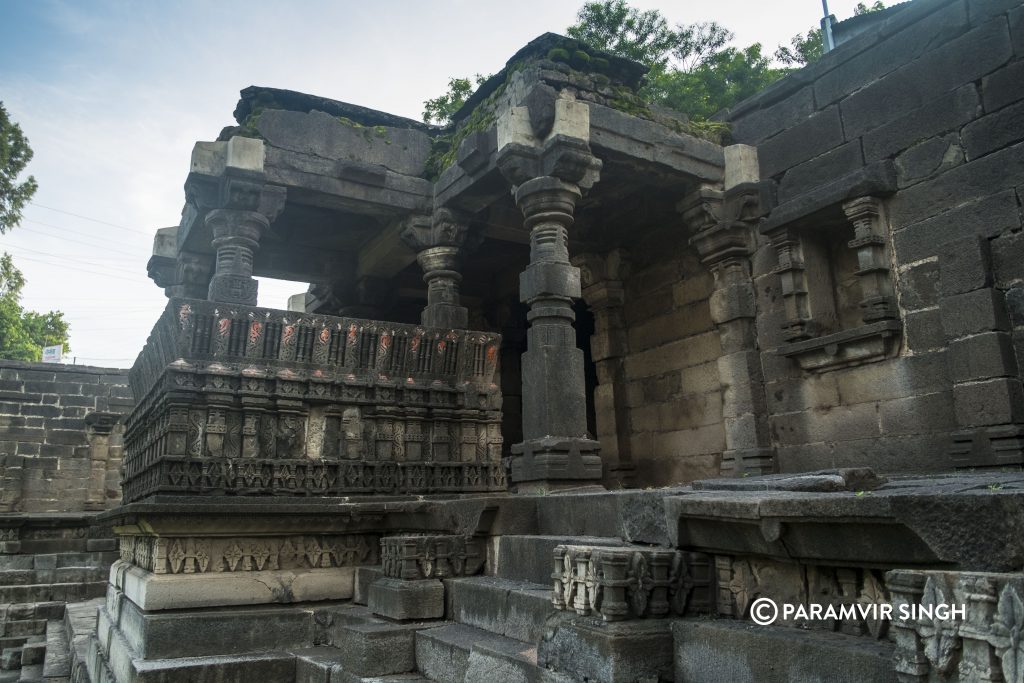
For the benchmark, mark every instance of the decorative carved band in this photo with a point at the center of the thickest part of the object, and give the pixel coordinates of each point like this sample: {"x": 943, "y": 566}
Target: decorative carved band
{"x": 201, "y": 555}
{"x": 985, "y": 644}
{"x": 629, "y": 583}
{"x": 430, "y": 557}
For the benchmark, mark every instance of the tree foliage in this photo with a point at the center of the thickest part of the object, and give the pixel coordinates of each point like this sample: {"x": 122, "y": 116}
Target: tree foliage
{"x": 616, "y": 27}
{"x": 23, "y": 334}
{"x": 691, "y": 69}
{"x": 440, "y": 110}
{"x": 809, "y": 48}
{"x": 14, "y": 156}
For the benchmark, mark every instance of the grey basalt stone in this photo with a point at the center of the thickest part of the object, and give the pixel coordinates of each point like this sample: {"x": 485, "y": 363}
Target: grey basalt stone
{"x": 401, "y": 600}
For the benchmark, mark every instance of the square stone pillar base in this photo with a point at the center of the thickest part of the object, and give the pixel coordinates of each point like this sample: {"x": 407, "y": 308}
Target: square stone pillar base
{"x": 556, "y": 460}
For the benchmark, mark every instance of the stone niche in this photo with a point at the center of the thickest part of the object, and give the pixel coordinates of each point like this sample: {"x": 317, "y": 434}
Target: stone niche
{"x": 241, "y": 400}
{"x": 836, "y": 281}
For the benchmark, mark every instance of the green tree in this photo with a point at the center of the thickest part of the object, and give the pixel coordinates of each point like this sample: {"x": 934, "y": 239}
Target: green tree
{"x": 809, "y": 48}
{"x": 23, "y": 334}
{"x": 14, "y": 156}
{"x": 616, "y": 27}
{"x": 440, "y": 110}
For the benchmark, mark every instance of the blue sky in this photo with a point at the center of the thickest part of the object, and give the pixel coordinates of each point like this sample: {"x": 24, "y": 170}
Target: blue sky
{"x": 113, "y": 94}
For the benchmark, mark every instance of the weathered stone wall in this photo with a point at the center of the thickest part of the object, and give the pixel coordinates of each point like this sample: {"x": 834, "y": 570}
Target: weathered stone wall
{"x": 926, "y": 113}
{"x": 59, "y": 445}
{"x": 673, "y": 392}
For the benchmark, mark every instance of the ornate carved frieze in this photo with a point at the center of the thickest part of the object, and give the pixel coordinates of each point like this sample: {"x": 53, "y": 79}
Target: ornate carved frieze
{"x": 243, "y": 400}
{"x": 985, "y": 643}
{"x": 213, "y": 554}
{"x": 619, "y": 583}
{"x": 414, "y": 557}
{"x": 851, "y": 593}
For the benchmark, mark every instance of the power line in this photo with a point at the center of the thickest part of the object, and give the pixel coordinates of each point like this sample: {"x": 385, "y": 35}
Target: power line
{"x": 87, "y": 218}
{"x": 83, "y": 270}
{"x": 95, "y": 245}
{"x": 72, "y": 259}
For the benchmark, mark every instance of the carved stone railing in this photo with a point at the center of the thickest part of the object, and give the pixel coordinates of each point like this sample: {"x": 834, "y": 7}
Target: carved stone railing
{"x": 414, "y": 557}
{"x": 244, "y": 400}
{"x": 618, "y": 583}
{"x": 983, "y": 642}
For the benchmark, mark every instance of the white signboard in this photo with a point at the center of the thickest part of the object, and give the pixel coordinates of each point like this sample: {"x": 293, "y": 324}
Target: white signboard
{"x": 53, "y": 354}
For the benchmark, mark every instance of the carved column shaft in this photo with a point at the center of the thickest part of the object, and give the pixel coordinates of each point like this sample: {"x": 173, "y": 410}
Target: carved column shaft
{"x": 440, "y": 241}
{"x": 556, "y": 445}
{"x": 877, "y": 296}
{"x": 725, "y": 240}
{"x": 236, "y": 237}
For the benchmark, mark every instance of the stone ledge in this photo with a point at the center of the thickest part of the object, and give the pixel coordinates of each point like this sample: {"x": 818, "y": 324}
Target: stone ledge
{"x": 185, "y": 591}
{"x": 848, "y": 348}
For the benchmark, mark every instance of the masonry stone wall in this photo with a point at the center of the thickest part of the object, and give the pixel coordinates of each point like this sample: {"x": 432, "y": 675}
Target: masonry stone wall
{"x": 60, "y": 444}
{"x": 673, "y": 392}
{"x": 926, "y": 113}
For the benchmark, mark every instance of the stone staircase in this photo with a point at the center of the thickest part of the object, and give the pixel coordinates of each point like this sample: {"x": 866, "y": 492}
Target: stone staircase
{"x": 491, "y": 632}
{"x": 34, "y": 589}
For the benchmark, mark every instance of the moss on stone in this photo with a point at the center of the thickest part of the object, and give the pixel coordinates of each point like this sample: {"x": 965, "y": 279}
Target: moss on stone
{"x": 558, "y": 54}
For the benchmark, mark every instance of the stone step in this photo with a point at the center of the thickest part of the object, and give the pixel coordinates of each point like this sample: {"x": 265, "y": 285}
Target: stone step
{"x": 457, "y": 653}
{"x": 530, "y": 558}
{"x": 57, "y": 662}
{"x": 53, "y": 592}
{"x": 17, "y": 577}
{"x": 79, "y": 626}
{"x": 26, "y": 627}
{"x": 367, "y": 645}
{"x": 710, "y": 651}
{"x": 322, "y": 665}
{"x": 514, "y": 609}
{"x": 31, "y": 673}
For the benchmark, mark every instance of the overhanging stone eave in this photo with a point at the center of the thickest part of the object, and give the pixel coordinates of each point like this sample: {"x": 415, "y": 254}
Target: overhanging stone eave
{"x": 649, "y": 142}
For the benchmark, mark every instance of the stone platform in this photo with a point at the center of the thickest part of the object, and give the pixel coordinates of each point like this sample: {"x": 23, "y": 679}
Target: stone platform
{"x": 614, "y": 587}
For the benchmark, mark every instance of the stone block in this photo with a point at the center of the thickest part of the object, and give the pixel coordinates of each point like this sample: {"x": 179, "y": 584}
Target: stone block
{"x": 617, "y": 652}
{"x": 737, "y": 652}
{"x": 398, "y": 599}
{"x": 995, "y": 131}
{"x": 919, "y": 285}
{"x": 810, "y": 138}
{"x": 964, "y": 266}
{"x": 841, "y": 423}
{"x": 741, "y": 165}
{"x": 982, "y": 356}
{"x": 982, "y": 310}
{"x": 219, "y": 632}
{"x": 443, "y": 654}
{"x": 508, "y": 608}
{"x": 986, "y": 179}
{"x": 374, "y": 647}
{"x": 1008, "y": 259}
{"x": 917, "y": 414}
{"x": 528, "y": 558}
{"x": 957, "y": 62}
{"x": 1003, "y": 87}
{"x": 762, "y": 123}
{"x": 821, "y": 170}
{"x": 990, "y": 402}
{"x": 945, "y": 113}
{"x": 1016, "y": 17}
{"x": 892, "y": 52}
{"x": 364, "y": 578}
{"x": 928, "y": 159}
{"x": 187, "y": 591}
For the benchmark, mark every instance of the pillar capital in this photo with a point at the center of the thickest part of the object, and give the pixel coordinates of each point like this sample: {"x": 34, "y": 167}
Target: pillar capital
{"x": 236, "y": 237}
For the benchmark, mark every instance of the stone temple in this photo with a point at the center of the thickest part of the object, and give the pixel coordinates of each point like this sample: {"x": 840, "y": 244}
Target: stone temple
{"x": 579, "y": 391}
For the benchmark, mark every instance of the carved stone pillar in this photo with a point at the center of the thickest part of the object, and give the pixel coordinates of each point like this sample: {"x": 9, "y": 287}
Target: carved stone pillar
{"x": 99, "y": 428}
{"x": 549, "y": 167}
{"x": 724, "y": 225}
{"x": 601, "y": 276}
{"x": 440, "y": 242}
{"x": 236, "y": 237}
